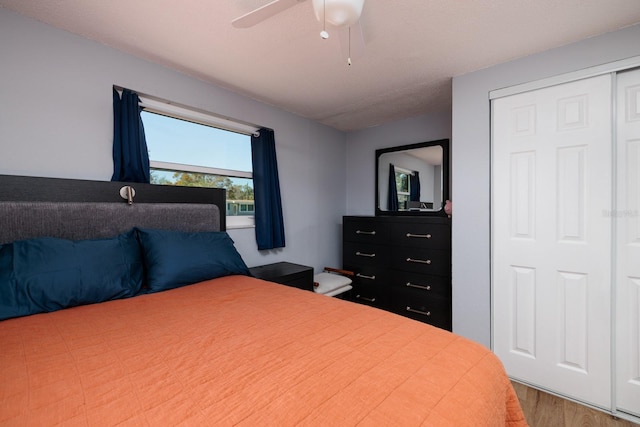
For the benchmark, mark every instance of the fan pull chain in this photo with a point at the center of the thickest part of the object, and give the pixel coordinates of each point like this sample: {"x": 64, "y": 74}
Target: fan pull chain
{"x": 323, "y": 34}
{"x": 349, "y": 57}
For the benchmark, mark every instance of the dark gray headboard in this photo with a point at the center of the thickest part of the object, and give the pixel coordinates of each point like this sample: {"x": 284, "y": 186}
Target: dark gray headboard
{"x": 78, "y": 209}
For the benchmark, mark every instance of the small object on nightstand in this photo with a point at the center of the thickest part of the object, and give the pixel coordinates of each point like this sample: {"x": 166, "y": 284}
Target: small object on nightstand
{"x": 285, "y": 273}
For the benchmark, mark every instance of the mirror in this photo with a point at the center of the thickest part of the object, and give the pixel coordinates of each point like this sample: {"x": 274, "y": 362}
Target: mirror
{"x": 413, "y": 179}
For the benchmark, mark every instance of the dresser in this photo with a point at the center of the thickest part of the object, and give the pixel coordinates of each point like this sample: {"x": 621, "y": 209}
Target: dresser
{"x": 401, "y": 264}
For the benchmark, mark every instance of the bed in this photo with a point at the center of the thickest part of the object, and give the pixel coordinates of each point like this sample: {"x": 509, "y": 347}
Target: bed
{"x": 167, "y": 345}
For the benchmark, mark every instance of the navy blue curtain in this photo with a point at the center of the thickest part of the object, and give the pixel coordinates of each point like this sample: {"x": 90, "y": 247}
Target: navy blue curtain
{"x": 130, "y": 154}
{"x": 266, "y": 191}
{"x": 392, "y": 198}
{"x": 414, "y": 190}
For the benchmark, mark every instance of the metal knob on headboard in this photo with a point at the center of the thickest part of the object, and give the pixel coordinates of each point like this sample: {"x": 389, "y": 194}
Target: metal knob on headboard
{"x": 128, "y": 193}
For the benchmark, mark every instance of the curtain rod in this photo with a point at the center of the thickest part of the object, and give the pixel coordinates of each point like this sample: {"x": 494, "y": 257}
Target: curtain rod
{"x": 162, "y": 106}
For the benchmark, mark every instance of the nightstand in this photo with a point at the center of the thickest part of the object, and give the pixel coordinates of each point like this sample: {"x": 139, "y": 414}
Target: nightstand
{"x": 286, "y": 273}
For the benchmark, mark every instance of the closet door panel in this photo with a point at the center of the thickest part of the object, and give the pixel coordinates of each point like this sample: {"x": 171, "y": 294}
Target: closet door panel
{"x": 551, "y": 268}
{"x": 627, "y": 216}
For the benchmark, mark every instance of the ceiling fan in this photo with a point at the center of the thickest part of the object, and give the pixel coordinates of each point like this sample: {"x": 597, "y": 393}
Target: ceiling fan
{"x": 344, "y": 15}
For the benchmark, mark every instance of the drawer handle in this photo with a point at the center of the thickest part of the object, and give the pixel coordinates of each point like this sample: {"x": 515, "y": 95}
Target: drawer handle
{"x": 370, "y": 233}
{"x": 420, "y": 236}
{"x": 364, "y": 254}
{"x": 366, "y": 277}
{"x": 366, "y": 299}
{"x": 424, "y": 313}
{"x": 413, "y": 285}
{"x": 419, "y": 261}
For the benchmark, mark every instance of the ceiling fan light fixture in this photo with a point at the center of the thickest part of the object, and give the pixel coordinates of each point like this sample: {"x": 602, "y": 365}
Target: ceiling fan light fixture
{"x": 339, "y": 13}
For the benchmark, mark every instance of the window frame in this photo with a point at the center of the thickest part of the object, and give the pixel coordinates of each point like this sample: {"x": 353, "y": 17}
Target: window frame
{"x": 179, "y": 112}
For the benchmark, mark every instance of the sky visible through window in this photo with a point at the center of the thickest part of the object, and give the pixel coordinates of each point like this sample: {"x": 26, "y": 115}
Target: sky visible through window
{"x": 178, "y": 141}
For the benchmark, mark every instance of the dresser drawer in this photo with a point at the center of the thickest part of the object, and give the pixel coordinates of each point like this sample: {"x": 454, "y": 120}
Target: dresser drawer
{"x": 362, "y": 254}
{"x": 365, "y": 231}
{"x": 367, "y": 275}
{"x": 435, "y": 311}
{"x": 372, "y": 295}
{"x": 369, "y": 285}
{"x": 421, "y": 235}
{"x": 423, "y": 261}
{"x": 422, "y": 285}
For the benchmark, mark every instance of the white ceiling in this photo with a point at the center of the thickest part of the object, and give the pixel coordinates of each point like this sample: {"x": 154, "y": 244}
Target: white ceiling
{"x": 413, "y": 47}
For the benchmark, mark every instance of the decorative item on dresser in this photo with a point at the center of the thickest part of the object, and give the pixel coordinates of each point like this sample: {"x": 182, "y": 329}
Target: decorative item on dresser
{"x": 401, "y": 264}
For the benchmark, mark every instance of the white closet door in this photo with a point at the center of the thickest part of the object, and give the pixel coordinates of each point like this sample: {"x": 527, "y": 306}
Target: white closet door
{"x": 627, "y": 215}
{"x": 551, "y": 242}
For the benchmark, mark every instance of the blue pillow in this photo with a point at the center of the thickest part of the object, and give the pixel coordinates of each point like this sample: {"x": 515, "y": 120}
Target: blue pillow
{"x": 174, "y": 258}
{"x": 48, "y": 274}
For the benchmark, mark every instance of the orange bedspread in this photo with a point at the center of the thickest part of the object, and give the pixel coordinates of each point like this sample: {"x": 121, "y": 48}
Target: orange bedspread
{"x": 241, "y": 351}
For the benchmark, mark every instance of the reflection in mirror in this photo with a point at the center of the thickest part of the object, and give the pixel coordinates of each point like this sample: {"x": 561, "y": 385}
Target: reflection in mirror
{"x": 411, "y": 179}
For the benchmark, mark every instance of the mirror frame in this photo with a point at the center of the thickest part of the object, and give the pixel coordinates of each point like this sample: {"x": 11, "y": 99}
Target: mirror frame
{"x": 444, "y": 143}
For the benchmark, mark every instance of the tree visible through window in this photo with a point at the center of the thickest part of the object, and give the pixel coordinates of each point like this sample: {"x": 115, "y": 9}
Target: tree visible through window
{"x": 402, "y": 186}
{"x": 236, "y": 190}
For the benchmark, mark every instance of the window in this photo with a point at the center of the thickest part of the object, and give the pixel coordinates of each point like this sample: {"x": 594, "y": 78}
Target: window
{"x": 402, "y": 185}
{"x": 187, "y": 148}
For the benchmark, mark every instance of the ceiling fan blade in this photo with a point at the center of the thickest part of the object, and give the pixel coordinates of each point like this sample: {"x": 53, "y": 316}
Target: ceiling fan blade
{"x": 262, "y": 13}
{"x": 355, "y": 47}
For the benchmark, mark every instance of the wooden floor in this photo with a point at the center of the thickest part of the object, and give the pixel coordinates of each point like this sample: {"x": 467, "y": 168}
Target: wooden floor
{"x": 545, "y": 410}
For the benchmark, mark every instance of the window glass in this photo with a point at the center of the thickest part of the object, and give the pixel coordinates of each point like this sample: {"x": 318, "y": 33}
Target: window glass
{"x": 192, "y": 154}
{"x": 178, "y": 141}
{"x": 402, "y": 182}
{"x": 402, "y": 185}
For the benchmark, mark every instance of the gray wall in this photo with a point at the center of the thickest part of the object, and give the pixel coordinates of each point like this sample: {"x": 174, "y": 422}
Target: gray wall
{"x": 471, "y": 163}
{"x": 56, "y": 121}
